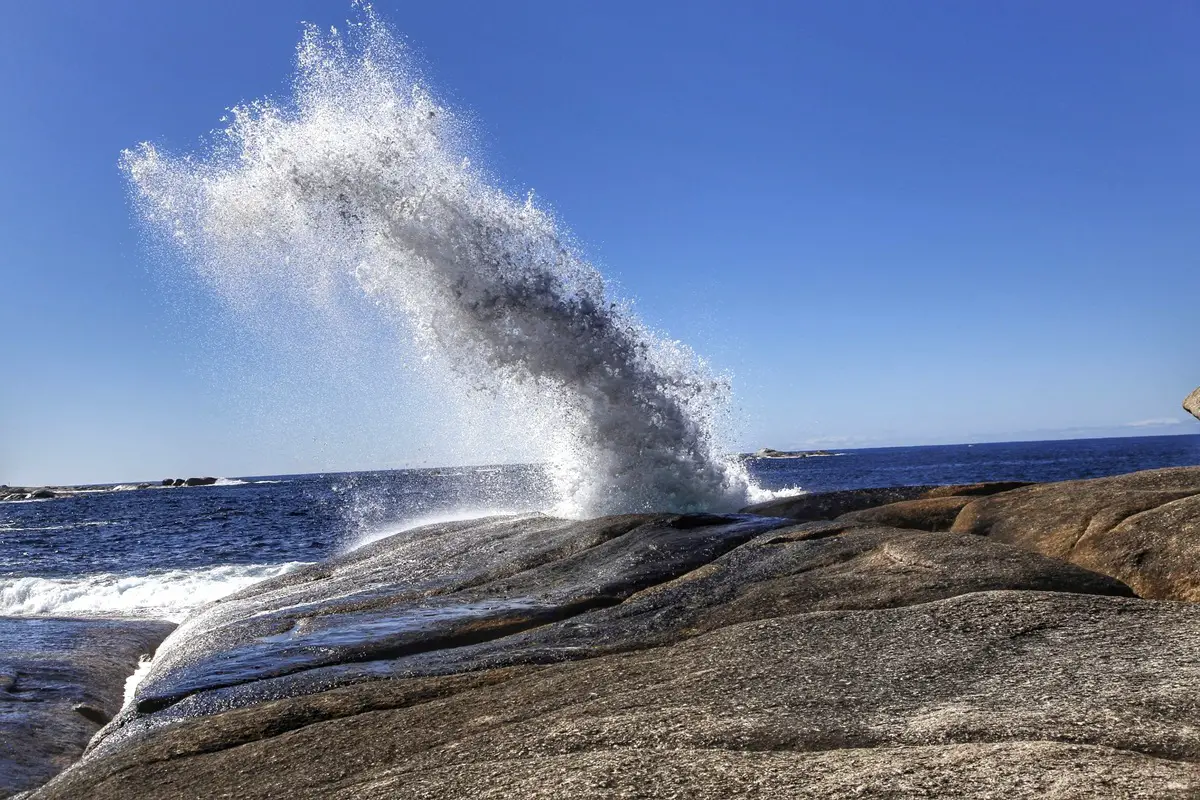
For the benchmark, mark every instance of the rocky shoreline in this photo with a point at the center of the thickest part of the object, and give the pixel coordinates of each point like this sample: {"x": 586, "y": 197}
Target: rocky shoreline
{"x": 61, "y": 680}
{"x": 18, "y": 493}
{"x": 993, "y": 640}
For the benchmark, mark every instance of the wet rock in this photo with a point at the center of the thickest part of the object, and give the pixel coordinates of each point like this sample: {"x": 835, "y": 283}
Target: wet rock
{"x": 441, "y": 588}
{"x": 42, "y": 494}
{"x": 1142, "y": 528}
{"x": 495, "y": 624}
{"x": 1191, "y": 403}
{"x": 425, "y": 633}
{"x": 90, "y": 712}
{"x": 994, "y": 694}
{"x": 60, "y": 680}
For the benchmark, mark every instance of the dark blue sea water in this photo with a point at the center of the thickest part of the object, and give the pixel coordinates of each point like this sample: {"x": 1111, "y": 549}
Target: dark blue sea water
{"x": 159, "y": 552}
{"x": 1061, "y": 460}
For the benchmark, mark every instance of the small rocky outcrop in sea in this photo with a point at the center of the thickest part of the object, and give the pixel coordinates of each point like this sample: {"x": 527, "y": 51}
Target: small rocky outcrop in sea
{"x": 849, "y": 646}
{"x": 8, "y": 493}
{"x": 767, "y": 452}
{"x": 189, "y": 481}
{"x": 32, "y": 492}
{"x": 13, "y": 493}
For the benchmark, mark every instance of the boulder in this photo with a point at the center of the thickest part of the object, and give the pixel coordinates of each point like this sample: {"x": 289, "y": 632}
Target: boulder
{"x": 661, "y": 655}
{"x": 1142, "y": 528}
{"x": 199, "y": 481}
{"x": 60, "y": 681}
{"x": 1191, "y": 403}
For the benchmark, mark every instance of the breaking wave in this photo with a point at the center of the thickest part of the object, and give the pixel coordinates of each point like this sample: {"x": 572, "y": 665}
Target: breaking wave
{"x": 170, "y": 594}
{"x": 360, "y": 186}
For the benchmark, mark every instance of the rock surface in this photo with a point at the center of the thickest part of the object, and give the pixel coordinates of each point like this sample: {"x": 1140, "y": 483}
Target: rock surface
{"x": 925, "y": 514}
{"x": 996, "y": 694}
{"x": 831, "y": 505}
{"x": 1142, "y": 528}
{"x": 60, "y": 681}
{"x": 666, "y": 656}
{"x": 1191, "y": 403}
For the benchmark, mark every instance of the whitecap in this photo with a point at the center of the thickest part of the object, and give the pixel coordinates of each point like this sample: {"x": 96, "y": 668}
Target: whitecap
{"x": 165, "y": 594}
{"x": 87, "y": 524}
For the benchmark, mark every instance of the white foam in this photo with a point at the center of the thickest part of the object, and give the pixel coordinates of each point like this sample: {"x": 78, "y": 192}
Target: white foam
{"x": 131, "y": 683}
{"x": 757, "y": 494}
{"x": 169, "y": 594}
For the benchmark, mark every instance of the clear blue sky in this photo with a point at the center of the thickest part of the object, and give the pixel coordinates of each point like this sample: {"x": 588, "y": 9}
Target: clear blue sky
{"x": 895, "y": 223}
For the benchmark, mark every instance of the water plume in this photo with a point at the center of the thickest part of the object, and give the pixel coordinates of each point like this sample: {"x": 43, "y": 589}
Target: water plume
{"x": 361, "y": 184}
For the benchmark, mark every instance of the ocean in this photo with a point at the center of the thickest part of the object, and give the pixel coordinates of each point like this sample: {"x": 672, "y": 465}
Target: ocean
{"x": 160, "y": 552}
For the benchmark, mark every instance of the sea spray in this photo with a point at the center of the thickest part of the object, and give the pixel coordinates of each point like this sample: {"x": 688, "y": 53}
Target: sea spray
{"x": 362, "y": 183}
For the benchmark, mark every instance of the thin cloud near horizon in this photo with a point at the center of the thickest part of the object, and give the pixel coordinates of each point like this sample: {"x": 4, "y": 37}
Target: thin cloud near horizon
{"x": 1154, "y": 423}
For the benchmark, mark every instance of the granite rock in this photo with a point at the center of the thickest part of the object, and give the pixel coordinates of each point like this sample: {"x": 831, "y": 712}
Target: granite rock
{"x": 1191, "y": 403}
{"x": 1142, "y": 528}
{"x": 993, "y": 694}
{"x": 656, "y": 656}
{"x": 925, "y": 514}
{"x": 831, "y": 505}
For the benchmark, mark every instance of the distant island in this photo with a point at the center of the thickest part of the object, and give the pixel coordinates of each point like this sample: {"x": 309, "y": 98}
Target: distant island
{"x": 15, "y": 493}
{"x": 767, "y": 452}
